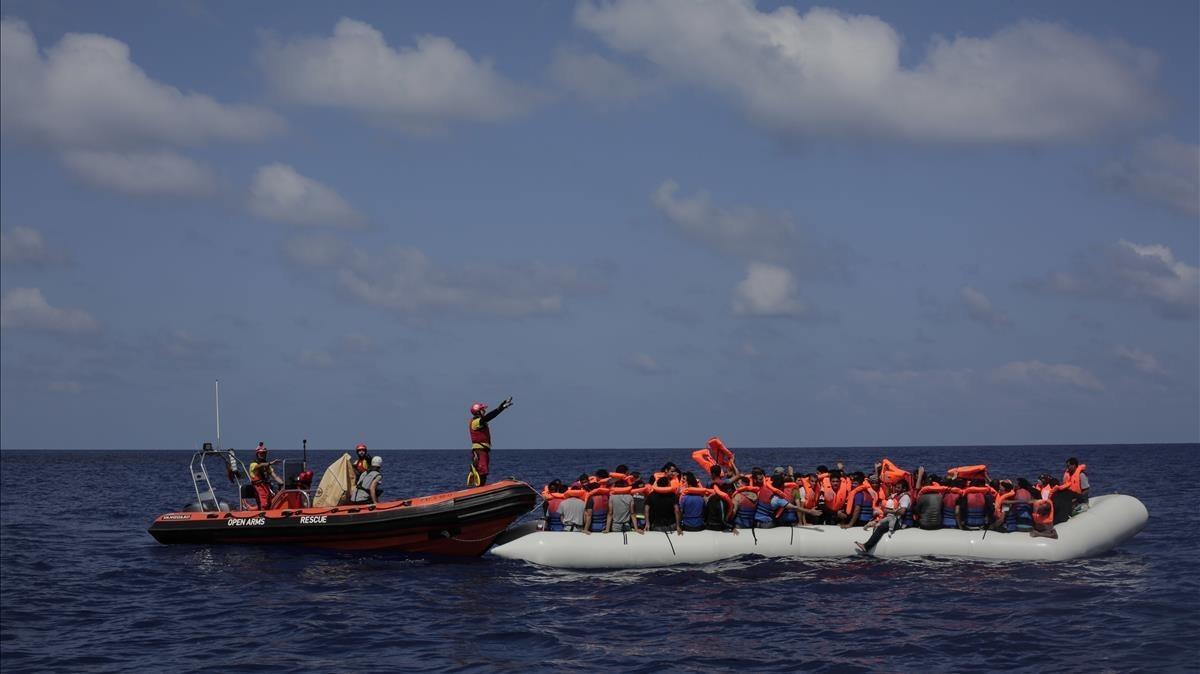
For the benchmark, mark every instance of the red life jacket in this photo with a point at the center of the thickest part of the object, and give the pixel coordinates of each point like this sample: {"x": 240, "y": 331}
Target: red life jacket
{"x": 481, "y": 436}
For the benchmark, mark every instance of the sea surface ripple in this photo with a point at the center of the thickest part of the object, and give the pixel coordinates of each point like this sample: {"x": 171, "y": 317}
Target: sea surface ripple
{"x": 85, "y": 588}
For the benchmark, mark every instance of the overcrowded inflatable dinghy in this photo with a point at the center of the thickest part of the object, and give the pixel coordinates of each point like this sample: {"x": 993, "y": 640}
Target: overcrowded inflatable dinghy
{"x": 1109, "y": 521}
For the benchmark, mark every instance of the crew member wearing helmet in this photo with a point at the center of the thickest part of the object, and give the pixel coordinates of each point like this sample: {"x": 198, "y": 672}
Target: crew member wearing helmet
{"x": 369, "y": 486}
{"x": 481, "y": 440}
{"x": 262, "y": 474}
{"x": 362, "y": 461}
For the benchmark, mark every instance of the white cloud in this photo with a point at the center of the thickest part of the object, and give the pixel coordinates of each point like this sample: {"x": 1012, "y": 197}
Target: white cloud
{"x": 405, "y": 281}
{"x": 24, "y": 245}
{"x": 1145, "y": 274}
{"x": 1054, "y": 374}
{"x": 767, "y": 290}
{"x": 644, "y": 364}
{"x": 746, "y": 232}
{"x": 1141, "y": 361}
{"x": 85, "y": 92}
{"x": 279, "y": 193}
{"x": 1164, "y": 171}
{"x": 27, "y": 309}
{"x": 826, "y": 73}
{"x": 979, "y": 308}
{"x": 142, "y": 174}
{"x": 594, "y": 78}
{"x": 419, "y": 88}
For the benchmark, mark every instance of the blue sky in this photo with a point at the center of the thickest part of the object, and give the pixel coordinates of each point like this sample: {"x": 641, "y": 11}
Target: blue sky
{"x": 880, "y": 224}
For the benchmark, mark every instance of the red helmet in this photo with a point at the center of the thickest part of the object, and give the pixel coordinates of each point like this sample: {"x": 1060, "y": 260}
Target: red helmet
{"x": 478, "y": 408}
{"x": 360, "y": 446}
{"x": 305, "y": 476}
{"x": 261, "y": 451}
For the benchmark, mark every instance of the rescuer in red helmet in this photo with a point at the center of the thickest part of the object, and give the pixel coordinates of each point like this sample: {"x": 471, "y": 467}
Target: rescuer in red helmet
{"x": 262, "y": 474}
{"x": 362, "y": 460}
{"x": 481, "y": 440}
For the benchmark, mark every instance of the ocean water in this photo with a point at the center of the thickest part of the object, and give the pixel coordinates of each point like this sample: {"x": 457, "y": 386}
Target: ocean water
{"x": 83, "y": 587}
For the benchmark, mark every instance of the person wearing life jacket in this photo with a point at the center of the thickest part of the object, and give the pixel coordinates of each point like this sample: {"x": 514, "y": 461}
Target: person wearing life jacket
{"x": 1076, "y": 480}
{"x": 927, "y": 508}
{"x": 951, "y": 508}
{"x": 689, "y": 508}
{"x": 860, "y": 503}
{"x": 977, "y": 504}
{"x": 369, "y": 486}
{"x": 770, "y": 499}
{"x": 552, "y": 499}
{"x": 595, "y": 510}
{"x": 1043, "y": 519}
{"x": 362, "y": 460}
{"x": 894, "y": 507}
{"x": 831, "y": 500}
{"x": 481, "y": 440}
{"x": 661, "y": 506}
{"x": 637, "y": 488}
{"x": 620, "y": 516}
{"x": 262, "y": 475}
{"x": 1013, "y": 508}
{"x": 744, "y": 502}
{"x": 296, "y": 494}
{"x": 718, "y": 509}
{"x": 572, "y": 508}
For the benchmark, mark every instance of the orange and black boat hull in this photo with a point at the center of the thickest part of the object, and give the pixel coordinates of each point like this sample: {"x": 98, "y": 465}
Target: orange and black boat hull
{"x": 461, "y": 523}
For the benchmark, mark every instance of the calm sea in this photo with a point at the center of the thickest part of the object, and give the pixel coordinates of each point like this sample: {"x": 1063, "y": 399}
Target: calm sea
{"x": 85, "y": 588}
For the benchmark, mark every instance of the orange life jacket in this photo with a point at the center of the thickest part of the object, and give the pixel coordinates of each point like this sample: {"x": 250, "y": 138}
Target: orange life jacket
{"x": 865, "y": 487}
{"x": 1071, "y": 480}
{"x": 968, "y": 472}
{"x": 720, "y": 453}
{"x": 705, "y": 459}
{"x": 1043, "y": 520}
{"x": 834, "y": 500}
{"x": 890, "y": 473}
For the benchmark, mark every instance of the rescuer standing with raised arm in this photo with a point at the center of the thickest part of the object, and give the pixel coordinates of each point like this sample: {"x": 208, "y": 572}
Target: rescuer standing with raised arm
{"x": 481, "y": 440}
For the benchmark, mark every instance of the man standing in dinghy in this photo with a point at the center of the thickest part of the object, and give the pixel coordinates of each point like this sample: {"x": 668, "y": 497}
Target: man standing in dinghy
{"x": 481, "y": 441}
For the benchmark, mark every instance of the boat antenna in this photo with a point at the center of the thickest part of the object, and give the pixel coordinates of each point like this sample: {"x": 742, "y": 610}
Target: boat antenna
{"x": 305, "y": 453}
{"x": 217, "y": 390}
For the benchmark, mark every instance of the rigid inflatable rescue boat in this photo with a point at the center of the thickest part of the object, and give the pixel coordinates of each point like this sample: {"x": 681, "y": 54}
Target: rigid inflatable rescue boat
{"x": 1109, "y": 521}
{"x": 461, "y": 523}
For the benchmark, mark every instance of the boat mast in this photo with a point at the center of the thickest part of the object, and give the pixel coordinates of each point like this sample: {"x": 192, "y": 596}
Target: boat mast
{"x": 217, "y": 389}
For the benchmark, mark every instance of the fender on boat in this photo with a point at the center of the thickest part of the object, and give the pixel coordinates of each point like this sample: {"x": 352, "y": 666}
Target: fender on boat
{"x": 1110, "y": 520}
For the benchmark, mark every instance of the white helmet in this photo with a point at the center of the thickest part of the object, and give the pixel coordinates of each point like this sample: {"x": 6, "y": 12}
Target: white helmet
{"x": 376, "y": 461}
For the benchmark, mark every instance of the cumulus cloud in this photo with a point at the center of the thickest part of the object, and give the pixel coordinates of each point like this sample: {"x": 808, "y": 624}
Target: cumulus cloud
{"x": 27, "y": 309}
{"x": 1163, "y": 171}
{"x": 1051, "y": 374}
{"x": 1139, "y": 360}
{"x": 407, "y": 282}
{"x": 768, "y": 290}
{"x": 830, "y": 74}
{"x": 594, "y": 78}
{"x": 281, "y": 194}
{"x": 1147, "y": 274}
{"x": 743, "y": 232}
{"x": 25, "y": 246}
{"x": 418, "y": 88}
{"x": 142, "y": 174}
{"x": 86, "y": 93}
{"x": 979, "y": 308}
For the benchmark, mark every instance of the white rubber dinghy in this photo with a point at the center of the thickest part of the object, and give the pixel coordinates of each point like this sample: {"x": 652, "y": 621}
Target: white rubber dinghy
{"x": 1110, "y": 521}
